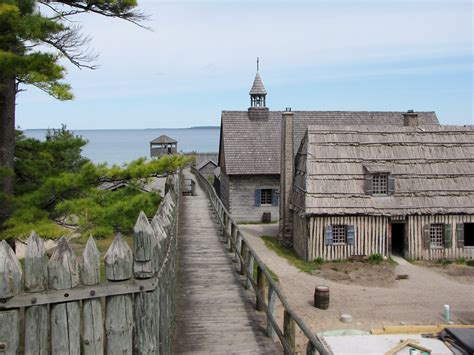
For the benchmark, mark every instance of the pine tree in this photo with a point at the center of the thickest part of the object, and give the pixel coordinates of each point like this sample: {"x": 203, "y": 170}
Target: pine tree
{"x": 34, "y": 36}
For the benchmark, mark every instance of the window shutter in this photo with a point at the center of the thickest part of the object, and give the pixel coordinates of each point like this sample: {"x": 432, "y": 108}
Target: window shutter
{"x": 460, "y": 235}
{"x": 258, "y": 196}
{"x": 368, "y": 185}
{"x": 391, "y": 185}
{"x": 328, "y": 235}
{"x": 274, "y": 197}
{"x": 426, "y": 236}
{"x": 448, "y": 236}
{"x": 350, "y": 234}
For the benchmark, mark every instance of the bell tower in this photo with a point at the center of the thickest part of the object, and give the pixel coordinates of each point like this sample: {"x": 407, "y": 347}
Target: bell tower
{"x": 258, "y": 94}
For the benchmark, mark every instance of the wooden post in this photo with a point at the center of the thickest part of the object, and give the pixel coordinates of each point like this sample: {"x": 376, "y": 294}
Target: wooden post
{"x": 238, "y": 249}
{"x": 289, "y": 331}
{"x": 36, "y": 280}
{"x": 271, "y": 307}
{"x": 250, "y": 260}
{"x": 143, "y": 247}
{"x": 143, "y": 266}
{"x": 63, "y": 274}
{"x": 10, "y": 285}
{"x": 243, "y": 253}
{"x": 260, "y": 288}
{"x": 93, "y": 325}
{"x": 119, "y": 314}
{"x": 233, "y": 235}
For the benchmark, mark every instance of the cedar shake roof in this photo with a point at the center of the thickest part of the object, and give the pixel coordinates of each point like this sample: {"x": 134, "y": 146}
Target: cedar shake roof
{"x": 252, "y": 147}
{"x": 163, "y": 140}
{"x": 257, "y": 87}
{"x": 432, "y": 167}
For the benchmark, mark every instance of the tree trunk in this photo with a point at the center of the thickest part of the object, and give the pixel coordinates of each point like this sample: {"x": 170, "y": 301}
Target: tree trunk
{"x": 7, "y": 138}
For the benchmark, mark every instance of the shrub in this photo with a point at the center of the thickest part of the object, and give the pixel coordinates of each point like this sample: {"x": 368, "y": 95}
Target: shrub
{"x": 460, "y": 261}
{"x": 470, "y": 263}
{"x": 319, "y": 260}
{"x": 376, "y": 258}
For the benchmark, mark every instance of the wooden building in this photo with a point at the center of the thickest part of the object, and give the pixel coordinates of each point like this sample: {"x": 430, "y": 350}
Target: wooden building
{"x": 163, "y": 145}
{"x": 207, "y": 168}
{"x": 360, "y": 190}
{"x": 250, "y": 150}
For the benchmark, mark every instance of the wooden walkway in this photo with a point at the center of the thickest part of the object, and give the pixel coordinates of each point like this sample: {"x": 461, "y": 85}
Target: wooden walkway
{"x": 215, "y": 314}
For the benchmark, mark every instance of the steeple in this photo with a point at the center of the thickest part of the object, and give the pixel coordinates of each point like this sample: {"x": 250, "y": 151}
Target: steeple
{"x": 257, "y": 92}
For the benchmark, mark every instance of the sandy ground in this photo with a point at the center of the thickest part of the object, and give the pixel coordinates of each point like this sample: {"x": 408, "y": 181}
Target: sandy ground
{"x": 417, "y": 300}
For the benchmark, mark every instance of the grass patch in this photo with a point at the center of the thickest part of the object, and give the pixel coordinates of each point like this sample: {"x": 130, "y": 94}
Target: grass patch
{"x": 290, "y": 255}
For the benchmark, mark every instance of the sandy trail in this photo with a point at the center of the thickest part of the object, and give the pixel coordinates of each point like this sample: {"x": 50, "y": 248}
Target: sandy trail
{"x": 418, "y": 300}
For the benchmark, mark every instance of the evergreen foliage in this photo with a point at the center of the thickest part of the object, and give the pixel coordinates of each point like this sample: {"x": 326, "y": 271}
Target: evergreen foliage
{"x": 55, "y": 183}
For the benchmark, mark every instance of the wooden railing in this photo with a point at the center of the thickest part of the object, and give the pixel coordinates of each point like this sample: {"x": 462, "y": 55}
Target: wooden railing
{"x": 59, "y": 306}
{"x": 246, "y": 257}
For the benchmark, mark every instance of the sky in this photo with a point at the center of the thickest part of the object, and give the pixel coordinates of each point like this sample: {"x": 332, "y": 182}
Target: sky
{"x": 200, "y": 59}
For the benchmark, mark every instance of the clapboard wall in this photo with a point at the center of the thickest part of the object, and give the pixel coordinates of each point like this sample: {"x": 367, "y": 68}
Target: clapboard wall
{"x": 241, "y": 196}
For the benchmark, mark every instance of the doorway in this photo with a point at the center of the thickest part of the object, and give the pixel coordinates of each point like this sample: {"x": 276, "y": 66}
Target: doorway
{"x": 398, "y": 239}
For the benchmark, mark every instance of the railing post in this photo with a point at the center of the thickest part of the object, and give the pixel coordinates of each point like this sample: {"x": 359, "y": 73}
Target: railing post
{"x": 260, "y": 288}
{"x": 238, "y": 249}
{"x": 250, "y": 260}
{"x": 271, "y": 308}
{"x": 243, "y": 253}
{"x": 233, "y": 234}
{"x": 289, "y": 331}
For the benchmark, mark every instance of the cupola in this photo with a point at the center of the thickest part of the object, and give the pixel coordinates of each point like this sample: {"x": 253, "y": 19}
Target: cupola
{"x": 258, "y": 108}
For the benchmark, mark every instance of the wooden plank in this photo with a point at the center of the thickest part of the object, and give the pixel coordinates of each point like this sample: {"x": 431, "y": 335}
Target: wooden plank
{"x": 63, "y": 274}
{"x": 10, "y": 285}
{"x": 36, "y": 280}
{"x": 93, "y": 327}
{"x": 119, "y": 314}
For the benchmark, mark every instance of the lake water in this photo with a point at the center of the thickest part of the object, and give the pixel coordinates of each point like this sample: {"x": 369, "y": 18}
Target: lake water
{"x": 120, "y": 146}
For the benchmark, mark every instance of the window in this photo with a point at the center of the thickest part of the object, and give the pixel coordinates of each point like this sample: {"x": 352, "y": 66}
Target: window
{"x": 339, "y": 234}
{"x": 436, "y": 235}
{"x": 380, "y": 184}
{"x": 379, "y": 181}
{"x": 266, "y": 197}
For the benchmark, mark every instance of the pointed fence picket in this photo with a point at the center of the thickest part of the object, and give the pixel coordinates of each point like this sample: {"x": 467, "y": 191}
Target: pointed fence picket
{"x": 65, "y": 302}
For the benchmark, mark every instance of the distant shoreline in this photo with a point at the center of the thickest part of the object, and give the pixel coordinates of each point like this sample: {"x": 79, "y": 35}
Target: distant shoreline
{"x": 118, "y": 129}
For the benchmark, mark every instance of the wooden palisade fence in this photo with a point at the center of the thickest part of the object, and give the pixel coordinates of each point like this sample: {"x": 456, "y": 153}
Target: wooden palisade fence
{"x": 246, "y": 257}
{"x": 59, "y": 306}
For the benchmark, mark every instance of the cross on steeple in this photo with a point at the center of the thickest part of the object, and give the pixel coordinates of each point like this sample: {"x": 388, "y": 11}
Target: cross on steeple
{"x": 258, "y": 61}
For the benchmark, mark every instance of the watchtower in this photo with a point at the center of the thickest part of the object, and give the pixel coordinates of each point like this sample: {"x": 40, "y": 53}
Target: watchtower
{"x": 163, "y": 145}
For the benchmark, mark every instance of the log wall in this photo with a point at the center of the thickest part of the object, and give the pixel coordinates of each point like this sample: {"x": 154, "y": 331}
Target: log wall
{"x": 415, "y": 247}
{"x": 67, "y": 308}
{"x": 371, "y": 235}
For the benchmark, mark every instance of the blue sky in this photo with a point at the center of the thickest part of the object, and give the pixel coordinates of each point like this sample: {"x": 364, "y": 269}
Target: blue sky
{"x": 315, "y": 55}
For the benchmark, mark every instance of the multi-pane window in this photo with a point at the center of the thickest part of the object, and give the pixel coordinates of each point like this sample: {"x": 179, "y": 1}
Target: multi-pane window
{"x": 436, "y": 235}
{"x": 266, "y": 196}
{"x": 339, "y": 234}
{"x": 380, "y": 184}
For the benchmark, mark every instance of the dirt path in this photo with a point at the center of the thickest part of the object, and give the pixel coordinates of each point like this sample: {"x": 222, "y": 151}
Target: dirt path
{"x": 418, "y": 300}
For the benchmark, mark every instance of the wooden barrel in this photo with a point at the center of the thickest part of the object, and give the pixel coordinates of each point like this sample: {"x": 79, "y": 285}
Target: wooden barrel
{"x": 266, "y": 217}
{"x": 321, "y": 297}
